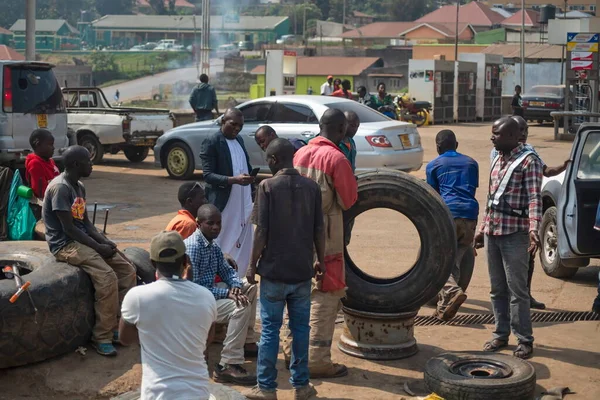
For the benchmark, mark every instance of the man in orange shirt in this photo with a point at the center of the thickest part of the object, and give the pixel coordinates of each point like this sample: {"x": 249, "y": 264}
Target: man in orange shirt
{"x": 191, "y": 197}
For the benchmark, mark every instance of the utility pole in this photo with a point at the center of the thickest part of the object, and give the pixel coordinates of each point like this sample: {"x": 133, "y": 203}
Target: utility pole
{"x": 30, "y": 30}
{"x": 455, "y": 93}
{"x": 523, "y": 46}
{"x": 344, "y": 13}
{"x": 304, "y": 22}
{"x": 205, "y": 38}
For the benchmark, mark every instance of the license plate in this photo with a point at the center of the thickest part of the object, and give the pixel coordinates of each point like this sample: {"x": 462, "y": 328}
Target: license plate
{"x": 537, "y": 103}
{"x": 42, "y": 120}
{"x": 405, "y": 140}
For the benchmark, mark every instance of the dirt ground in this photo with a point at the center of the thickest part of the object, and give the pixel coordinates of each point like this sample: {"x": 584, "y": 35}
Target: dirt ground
{"x": 142, "y": 200}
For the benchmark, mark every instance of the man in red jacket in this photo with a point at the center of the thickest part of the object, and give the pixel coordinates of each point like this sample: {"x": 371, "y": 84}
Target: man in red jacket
{"x": 323, "y": 161}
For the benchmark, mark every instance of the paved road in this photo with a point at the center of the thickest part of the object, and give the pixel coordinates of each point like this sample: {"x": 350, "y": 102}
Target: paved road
{"x": 142, "y": 88}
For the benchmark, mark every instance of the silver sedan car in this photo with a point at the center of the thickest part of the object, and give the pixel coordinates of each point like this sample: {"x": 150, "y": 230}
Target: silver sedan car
{"x": 380, "y": 142}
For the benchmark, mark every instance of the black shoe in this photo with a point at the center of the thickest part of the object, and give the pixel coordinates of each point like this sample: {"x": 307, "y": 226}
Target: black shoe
{"x": 533, "y": 303}
{"x": 233, "y": 373}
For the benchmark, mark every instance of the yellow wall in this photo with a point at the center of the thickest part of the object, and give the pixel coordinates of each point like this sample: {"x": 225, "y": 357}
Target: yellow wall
{"x": 302, "y": 84}
{"x": 427, "y": 52}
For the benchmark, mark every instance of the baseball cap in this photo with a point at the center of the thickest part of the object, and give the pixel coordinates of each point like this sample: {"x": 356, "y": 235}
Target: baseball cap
{"x": 167, "y": 240}
{"x": 330, "y": 77}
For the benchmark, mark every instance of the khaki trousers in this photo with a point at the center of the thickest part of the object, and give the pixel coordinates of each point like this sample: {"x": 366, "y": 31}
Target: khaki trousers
{"x": 112, "y": 278}
{"x": 240, "y": 329}
{"x": 325, "y": 307}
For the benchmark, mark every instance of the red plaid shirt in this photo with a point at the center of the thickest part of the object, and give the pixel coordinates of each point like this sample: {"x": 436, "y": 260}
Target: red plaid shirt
{"x": 523, "y": 190}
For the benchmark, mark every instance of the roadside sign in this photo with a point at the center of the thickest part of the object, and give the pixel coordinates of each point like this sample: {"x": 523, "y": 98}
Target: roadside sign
{"x": 582, "y": 56}
{"x": 574, "y": 46}
{"x": 581, "y": 65}
{"x": 577, "y": 37}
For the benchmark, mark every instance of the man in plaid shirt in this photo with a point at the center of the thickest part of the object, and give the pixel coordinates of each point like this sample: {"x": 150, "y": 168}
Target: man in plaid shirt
{"x": 236, "y": 300}
{"x": 510, "y": 231}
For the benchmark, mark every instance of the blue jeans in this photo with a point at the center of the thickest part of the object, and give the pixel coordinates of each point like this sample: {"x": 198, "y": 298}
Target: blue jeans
{"x": 273, "y": 298}
{"x": 508, "y": 265}
{"x": 596, "y": 305}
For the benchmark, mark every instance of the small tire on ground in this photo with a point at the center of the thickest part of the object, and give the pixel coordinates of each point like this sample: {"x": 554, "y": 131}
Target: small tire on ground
{"x": 143, "y": 265}
{"x": 424, "y": 207}
{"x": 179, "y": 161}
{"x": 550, "y": 260}
{"x": 136, "y": 154}
{"x": 443, "y": 378}
{"x": 92, "y": 144}
{"x": 63, "y": 295}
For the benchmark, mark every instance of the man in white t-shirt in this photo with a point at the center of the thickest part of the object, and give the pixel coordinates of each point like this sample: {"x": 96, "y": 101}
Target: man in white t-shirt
{"x": 327, "y": 87}
{"x": 173, "y": 319}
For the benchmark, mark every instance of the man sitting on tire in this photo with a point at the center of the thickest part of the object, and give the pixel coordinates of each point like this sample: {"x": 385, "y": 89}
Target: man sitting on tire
{"x": 456, "y": 178}
{"x": 73, "y": 239}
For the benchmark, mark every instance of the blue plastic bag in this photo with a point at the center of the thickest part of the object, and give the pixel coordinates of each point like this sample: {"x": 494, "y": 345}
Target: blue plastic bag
{"x": 21, "y": 221}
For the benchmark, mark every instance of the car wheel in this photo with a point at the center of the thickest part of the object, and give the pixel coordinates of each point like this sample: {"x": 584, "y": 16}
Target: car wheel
{"x": 64, "y": 298}
{"x": 540, "y": 121}
{"x": 480, "y": 376}
{"x": 92, "y": 144}
{"x": 549, "y": 257}
{"x": 143, "y": 265}
{"x": 136, "y": 154}
{"x": 415, "y": 199}
{"x": 179, "y": 161}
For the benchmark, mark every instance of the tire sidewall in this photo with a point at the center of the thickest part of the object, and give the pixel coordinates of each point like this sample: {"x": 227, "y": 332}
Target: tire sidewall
{"x": 93, "y": 140}
{"x": 191, "y": 165}
{"x": 548, "y": 219}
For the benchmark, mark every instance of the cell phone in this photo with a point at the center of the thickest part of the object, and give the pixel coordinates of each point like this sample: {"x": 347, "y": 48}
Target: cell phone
{"x": 254, "y": 171}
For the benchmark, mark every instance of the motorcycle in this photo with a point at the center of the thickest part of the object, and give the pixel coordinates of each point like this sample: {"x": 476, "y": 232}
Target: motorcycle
{"x": 410, "y": 110}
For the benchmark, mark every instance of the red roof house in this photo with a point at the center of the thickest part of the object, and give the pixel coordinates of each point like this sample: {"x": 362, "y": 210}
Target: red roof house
{"x": 473, "y": 13}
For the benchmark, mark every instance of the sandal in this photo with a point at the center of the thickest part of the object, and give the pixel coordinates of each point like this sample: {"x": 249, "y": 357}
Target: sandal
{"x": 523, "y": 351}
{"x": 495, "y": 345}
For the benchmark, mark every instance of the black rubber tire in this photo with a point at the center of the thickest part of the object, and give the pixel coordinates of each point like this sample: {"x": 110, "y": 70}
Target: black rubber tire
{"x": 424, "y": 117}
{"x": 554, "y": 268}
{"x": 415, "y": 199}
{"x": 141, "y": 259}
{"x": 189, "y": 170}
{"x": 441, "y": 380}
{"x": 64, "y": 297}
{"x": 136, "y": 154}
{"x": 91, "y": 142}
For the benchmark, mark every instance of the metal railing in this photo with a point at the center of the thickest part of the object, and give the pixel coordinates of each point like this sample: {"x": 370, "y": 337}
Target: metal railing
{"x": 570, "y": 115}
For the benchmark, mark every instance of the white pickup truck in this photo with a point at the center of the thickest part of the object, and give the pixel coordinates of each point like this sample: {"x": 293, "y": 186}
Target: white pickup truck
{"x": 570, "y": 201}
{"x": 102, "y": 128}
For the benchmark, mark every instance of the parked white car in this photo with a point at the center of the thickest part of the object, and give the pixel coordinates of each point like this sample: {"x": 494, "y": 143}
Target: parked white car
{"x": 570, "y": 201}
{"x": 31, "y": 99}
{"x": 381, "y": 142}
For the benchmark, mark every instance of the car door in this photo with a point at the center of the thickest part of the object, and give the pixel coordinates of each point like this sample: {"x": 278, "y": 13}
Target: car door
{"x": 579, "y": 197}
{"x": 255, "y": 115}
{"x": 294, "y": 120}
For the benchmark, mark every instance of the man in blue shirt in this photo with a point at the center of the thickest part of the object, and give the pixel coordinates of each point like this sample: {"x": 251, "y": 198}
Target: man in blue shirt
{"x": 456, "y": 178}
{"x": 236, "y": 300}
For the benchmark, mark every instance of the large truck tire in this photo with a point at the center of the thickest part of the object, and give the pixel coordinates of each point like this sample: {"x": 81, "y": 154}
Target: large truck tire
{"x": 143, "y": 265}
{"x": 424, "y": 207}
{"x": 480, "y": 376}
{"x": 63, "y": 296}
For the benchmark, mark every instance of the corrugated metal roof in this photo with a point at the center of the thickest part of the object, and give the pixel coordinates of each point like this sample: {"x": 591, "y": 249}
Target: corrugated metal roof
{"x": 5, "y": 31}
{"x": 8, "y": 53}
{"x": 379, "y": 30}
{"x": 501, "y": 11}
{"x": 532, "y": 19}
{"x": 323, "y": 66}
{"x": 178, "y": 4}
{"x": 474, "y": 13}
{"x": 532, "y": 51}
{"x": 150, "y": 22}
{"x": 448, "y": 30}
{"x": 43, "y": 25}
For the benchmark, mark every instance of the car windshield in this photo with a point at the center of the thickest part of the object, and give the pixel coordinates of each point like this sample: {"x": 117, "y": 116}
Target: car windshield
{"x": 548, "y": 91}
{"x": 35, "y": 90}
{"x": 365, "y": 114}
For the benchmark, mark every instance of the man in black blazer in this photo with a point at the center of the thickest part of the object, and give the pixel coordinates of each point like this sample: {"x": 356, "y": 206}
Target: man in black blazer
{"x": 226, "y": 168}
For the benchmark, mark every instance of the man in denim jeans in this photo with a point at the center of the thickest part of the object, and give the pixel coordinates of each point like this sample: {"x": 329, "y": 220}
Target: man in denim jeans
{"x": 510, "y": 233}
{"x": 289, "y": 225}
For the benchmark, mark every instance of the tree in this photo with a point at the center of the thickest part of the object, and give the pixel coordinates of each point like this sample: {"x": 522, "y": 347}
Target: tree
{"x": 296, "y": 16}
{"x": 101, "y": 61}
{"x": 162, "y": 7}
{"x": 114, "y": 7}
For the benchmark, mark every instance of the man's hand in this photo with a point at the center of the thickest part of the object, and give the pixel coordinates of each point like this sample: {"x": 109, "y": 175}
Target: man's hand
{"x": 251, "y": 274}
{"x": 230, "y": 261}
{"x": 534, "y": 242}
{"x": 319, "y": 270}
{"x": 106, "y": 251}
{"x": 243, "y": 179}
{"x": 236, "y": 295}
{"x": 478, "y": 241}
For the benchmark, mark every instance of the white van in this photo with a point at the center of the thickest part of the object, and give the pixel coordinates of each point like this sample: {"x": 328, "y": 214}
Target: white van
{"x": 31, "y": 99}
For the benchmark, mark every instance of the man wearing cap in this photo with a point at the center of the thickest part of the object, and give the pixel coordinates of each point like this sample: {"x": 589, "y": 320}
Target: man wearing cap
{"x": 327, "y": 87}
{"x": 173, "y": 319}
